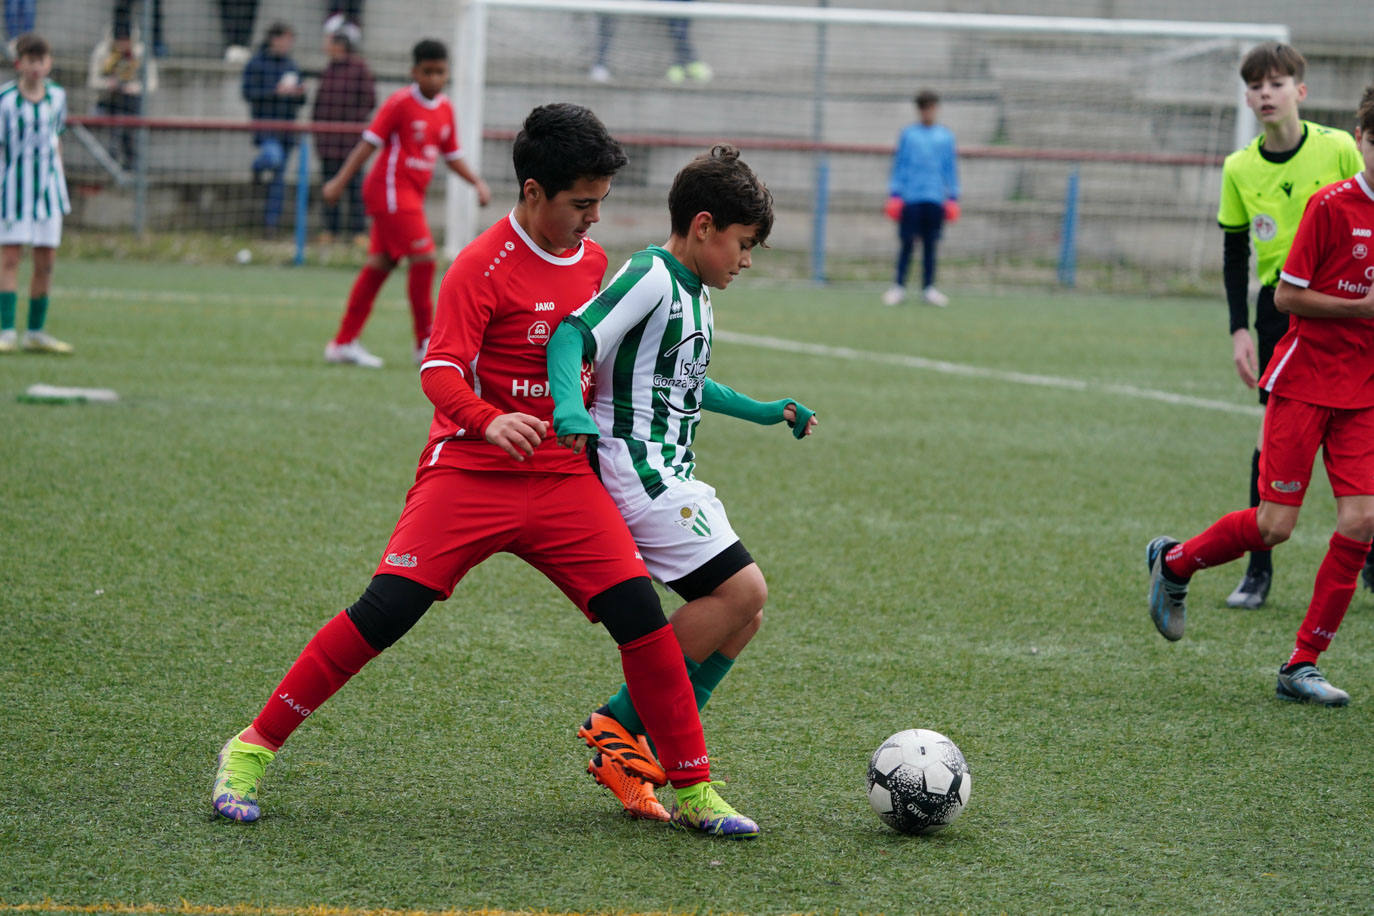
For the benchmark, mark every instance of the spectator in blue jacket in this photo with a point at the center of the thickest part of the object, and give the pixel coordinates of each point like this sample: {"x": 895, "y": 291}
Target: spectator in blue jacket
{"x": 272, "y": 87}
{"x": 923, "y": 194}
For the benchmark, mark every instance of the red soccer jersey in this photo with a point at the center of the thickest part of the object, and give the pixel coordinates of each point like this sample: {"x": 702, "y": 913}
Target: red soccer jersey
{"x": 411, "y": 133}
{"x": 498, "y": 305}
{"x": 1330, "y": 361}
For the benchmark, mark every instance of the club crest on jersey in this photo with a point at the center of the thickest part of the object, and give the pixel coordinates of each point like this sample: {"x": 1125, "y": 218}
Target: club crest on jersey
{"x": 1264, "y": 226}
{"x": 538, "y": 334}
{"x": 1360, "y": 251}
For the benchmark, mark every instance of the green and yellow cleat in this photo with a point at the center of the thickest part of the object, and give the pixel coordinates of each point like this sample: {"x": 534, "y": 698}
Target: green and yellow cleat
{"x": 240, "y": 766}
{"x": 699, "y": 807}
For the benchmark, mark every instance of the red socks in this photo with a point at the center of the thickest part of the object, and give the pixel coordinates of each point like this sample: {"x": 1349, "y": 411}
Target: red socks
{"x": 1337, "y": 579}
{"x": 360, "y": 301}
{"x": 657, "y": 677}
{"x": 1230, "y": 537}
{"x": 420, "y": 284}
{"x": 336, "y": 653}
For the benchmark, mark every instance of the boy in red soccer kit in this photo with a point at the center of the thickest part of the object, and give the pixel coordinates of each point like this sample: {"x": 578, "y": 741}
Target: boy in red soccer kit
{"x": 1321, "y": 394}
{"x": 493, "y": 478}
{"x": 414, "y": 127}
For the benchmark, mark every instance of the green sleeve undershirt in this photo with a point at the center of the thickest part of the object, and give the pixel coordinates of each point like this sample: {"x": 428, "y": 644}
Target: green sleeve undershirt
{"x": 719, "y": 398}
{"x": 568, "y": 346}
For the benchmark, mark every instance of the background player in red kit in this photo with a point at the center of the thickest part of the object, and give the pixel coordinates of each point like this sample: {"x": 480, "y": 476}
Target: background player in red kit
{"x": 413, "y": 129}
{"x": 493, "y": 478}
{"x": 1321, "y": 394}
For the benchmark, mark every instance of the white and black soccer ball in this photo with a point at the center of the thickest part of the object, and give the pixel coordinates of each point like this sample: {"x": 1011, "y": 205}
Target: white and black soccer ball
{"x": 918, "y": 781}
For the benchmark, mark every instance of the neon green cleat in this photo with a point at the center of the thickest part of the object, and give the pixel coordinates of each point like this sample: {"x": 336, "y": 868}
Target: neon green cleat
{"x": 240, "y": 768}
{"x": 699, "y": 807}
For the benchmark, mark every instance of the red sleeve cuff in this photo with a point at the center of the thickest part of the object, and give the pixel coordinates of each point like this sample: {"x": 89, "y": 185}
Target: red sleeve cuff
{"x": 452, "y": 396}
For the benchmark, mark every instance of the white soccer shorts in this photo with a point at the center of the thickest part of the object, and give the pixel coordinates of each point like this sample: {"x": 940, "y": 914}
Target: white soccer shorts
{"x": 681, "y": 529}
{"x": 40, "y": 233}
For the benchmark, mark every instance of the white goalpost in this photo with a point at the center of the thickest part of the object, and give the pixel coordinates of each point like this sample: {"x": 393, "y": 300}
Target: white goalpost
{"x": 1140, "y": 112}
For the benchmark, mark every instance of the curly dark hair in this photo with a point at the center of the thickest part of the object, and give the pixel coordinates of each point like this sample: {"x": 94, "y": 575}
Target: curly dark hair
{"x": 561, "y": 143}
{"x": 719, "y": 183}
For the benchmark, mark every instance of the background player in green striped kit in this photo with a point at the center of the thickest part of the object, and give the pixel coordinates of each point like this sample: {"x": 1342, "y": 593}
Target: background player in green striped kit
{"x": 33, "y": 190}
{"x": 1264, "y": 189}
{"x": 648, "y": 337}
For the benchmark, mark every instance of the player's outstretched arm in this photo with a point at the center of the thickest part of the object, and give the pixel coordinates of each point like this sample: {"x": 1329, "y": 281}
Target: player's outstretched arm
{"x": 723, "y": 399}
{"x": 1300, "y": 300}
{"x": 564, "y": 354}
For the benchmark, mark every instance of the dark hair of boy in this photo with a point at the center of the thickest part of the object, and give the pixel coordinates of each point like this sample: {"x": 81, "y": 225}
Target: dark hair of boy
{"x": 1272, "y": 57}
{"x": 926, "y": 98}
{"x": 1364, "y": 115}
{"x": 428, "y": 49}
{"x": 562, "y": 142}
{"x": 720, "y": 184}
{"x": 31, "y": 44}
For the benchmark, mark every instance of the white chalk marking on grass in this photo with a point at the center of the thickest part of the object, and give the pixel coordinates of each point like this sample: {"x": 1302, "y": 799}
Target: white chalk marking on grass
{"x": 1000, "y": 375}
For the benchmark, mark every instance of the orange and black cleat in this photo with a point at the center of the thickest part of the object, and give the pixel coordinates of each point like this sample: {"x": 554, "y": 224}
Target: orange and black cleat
{"x": 634, "y": 791}
{"x": 607, "y": 736}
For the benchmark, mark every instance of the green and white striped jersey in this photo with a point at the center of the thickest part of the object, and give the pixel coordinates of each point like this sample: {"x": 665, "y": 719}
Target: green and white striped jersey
{"x": 652, "y": 326}
{"x": 32, "y": 184}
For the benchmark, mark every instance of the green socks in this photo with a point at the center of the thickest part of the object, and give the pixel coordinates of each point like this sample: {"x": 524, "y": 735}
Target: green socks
{"x": 7, "y": 306}
{"x": 38, "y": 313}
{"x": 705, "y": 676}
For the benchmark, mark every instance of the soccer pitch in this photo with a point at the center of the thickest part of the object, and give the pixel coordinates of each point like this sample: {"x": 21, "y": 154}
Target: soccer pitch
{"x": 960, "y": 547}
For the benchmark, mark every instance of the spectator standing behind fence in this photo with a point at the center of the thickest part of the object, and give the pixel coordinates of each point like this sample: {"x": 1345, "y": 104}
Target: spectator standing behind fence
{"x": 124, "y": 19}
{"x": 33, "y": 191}
{"x": 236, "y": 18}
{"x": 115, "y": 76}
{"x": 273, "y": 90}
{"x": 923, "y": 191}
{"x": 685, "y": 62}
{"x": 347, "y": 93}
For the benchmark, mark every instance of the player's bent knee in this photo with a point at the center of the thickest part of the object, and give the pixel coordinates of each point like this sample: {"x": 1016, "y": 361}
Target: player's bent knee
{"x": 388, "y": 608}
{"x": 629, "y": 610}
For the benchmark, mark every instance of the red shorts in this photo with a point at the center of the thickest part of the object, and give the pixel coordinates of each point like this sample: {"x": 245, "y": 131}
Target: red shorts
{"x": 404, "y": 234}
{"x": 564, "y": 525}
{"x": 1293, "y": 430}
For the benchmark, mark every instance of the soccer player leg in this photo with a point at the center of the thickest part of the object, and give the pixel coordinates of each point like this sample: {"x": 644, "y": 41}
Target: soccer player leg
{"x": 576, "y": 537}
{"x": 1348, "y": 452}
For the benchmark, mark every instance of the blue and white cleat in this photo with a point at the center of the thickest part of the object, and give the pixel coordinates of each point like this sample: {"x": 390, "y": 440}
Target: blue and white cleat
{"x": 1167, "y": 607}
{"x": 1306, "y": 684}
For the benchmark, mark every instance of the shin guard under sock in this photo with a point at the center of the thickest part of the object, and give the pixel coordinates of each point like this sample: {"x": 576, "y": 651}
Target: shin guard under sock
{"x": 1337, "y": 578}
{"x": 1231, "y": 536}
{"x": 657, "y": 680}
{"x": 336, "y": 653}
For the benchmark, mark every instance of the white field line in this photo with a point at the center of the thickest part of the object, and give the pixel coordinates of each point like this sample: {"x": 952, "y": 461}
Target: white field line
{"x": 1000, "y": 375}
{"x": 768, "y": 343}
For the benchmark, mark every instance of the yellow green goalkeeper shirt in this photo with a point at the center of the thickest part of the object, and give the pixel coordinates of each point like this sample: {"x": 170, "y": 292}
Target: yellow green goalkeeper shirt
{"x": 1268, "y": 197}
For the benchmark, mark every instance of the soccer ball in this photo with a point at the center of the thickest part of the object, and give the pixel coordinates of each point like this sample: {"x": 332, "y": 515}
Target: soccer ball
{"x": 244, "y": 256}
{"x": 918, "y": 781}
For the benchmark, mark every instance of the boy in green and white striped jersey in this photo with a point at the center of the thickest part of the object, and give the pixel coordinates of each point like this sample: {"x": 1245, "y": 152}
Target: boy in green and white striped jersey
{"x": 33, "y": 190}
{"x": 648, "y": 337}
